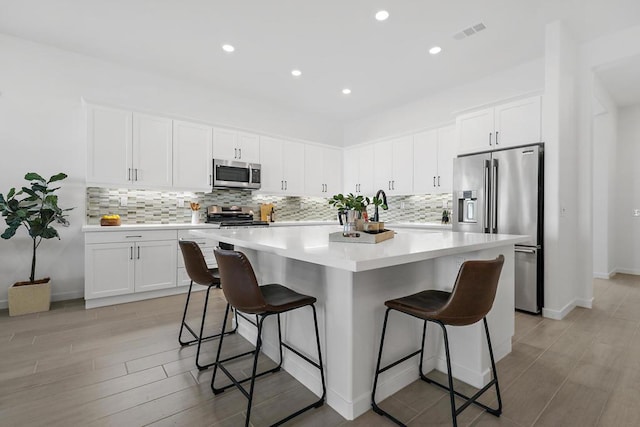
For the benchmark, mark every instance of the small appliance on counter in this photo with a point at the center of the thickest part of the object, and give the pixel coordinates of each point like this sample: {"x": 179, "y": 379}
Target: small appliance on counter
{"x": 233, "y": 217}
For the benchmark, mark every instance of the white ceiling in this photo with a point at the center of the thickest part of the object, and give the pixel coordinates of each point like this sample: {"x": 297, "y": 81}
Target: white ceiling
{"x": 336, "y": 43}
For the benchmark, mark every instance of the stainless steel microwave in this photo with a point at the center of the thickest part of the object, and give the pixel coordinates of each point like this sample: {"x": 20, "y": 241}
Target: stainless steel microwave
{"x": 231, "y": 174}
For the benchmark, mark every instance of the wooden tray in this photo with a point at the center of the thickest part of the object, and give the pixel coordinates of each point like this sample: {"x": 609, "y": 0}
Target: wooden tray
{"x": 109, "y": 222}
{"x": 363, "y": 237}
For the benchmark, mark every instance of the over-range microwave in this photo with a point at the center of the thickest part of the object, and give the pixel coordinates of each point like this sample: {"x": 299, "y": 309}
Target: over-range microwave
{"x": 232, "y": 174}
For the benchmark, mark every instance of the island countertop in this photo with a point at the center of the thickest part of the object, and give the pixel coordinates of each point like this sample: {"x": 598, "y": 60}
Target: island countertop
{"x": 311, "y": 244}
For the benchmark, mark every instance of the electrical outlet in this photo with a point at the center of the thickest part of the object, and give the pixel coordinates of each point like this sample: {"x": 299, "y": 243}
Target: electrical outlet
{"x": 636, "y": 212}
{"x": 563, "y": 211}
{"x": 123, "y": 201}
{"x": 181, "y": 203}
{"x": 401, "y": 205}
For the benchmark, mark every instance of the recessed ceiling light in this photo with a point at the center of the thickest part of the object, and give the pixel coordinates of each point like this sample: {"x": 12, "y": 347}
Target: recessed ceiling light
{"x": 435, "y": 50}
{"x": 346, "y": 91}
{"x": 228, "y": 48}
{"x": 296, "y": 73}
{"x": 382, "y": 15}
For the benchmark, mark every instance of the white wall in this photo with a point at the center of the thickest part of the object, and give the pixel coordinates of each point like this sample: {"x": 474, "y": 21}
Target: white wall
{"x": 627, "y": 227}
{"x": 42, "y": 130}
{"x": 605, "y": 139}
{"x": 443, "y": 107}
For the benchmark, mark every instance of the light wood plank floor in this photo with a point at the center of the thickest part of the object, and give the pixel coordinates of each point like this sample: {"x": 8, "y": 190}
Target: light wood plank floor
{"x": 122, "y": 366}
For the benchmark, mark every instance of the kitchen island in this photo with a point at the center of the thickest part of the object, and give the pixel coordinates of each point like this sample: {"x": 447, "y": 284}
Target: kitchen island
{"x": 351, "y": 282}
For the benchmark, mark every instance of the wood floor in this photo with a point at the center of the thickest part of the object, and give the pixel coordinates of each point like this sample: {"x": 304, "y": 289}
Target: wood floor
{"x": 122, "y": 366}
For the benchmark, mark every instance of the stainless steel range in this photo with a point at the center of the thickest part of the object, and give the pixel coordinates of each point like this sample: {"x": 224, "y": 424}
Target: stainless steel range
{"x": 233, "y": 217}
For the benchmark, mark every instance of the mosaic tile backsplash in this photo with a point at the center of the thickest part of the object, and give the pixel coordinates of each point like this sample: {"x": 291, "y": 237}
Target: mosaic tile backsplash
{"x": 162, "y": 207}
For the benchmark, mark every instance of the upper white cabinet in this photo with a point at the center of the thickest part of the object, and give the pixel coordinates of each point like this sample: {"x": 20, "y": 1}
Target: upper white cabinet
{"x": 233, "y": 145}
{"x": 433, "y": 153}
{"x": 506, "y": 125}
{"x": 109, "y": 145}
{"x": 192, "y": 156}
{"x": 323, "y": 170}
{"x": 128, "y": 149}
{"x": 393, "y": 166}
{"x": 358, "y": 170}
{"x": 282, "y": 166}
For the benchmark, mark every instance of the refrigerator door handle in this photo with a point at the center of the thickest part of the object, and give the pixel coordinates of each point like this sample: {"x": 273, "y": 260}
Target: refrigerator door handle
{"x": 487, "y": 210}
{"x": 494, "y": 196}
{"x": 525, "y": 251}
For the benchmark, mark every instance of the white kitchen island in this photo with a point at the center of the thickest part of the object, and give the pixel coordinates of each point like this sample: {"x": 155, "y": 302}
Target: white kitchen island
{"x": 351, "y": 282}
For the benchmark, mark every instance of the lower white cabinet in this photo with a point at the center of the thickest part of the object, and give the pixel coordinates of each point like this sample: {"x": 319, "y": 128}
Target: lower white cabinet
{"x": 119, "y": 263}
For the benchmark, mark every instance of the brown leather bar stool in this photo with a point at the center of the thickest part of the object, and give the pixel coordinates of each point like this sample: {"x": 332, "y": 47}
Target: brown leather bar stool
{"x": 241, "y": 289}
{"x": 469, "y": 302}
{"x": 200, "y": 274}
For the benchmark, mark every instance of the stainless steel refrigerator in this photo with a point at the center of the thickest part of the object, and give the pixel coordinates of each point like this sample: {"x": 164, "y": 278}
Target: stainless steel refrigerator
{"x": 501, "y": 192}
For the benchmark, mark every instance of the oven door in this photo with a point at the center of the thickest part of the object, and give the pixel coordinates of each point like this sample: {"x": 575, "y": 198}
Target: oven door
{"x": 230, "y": 174}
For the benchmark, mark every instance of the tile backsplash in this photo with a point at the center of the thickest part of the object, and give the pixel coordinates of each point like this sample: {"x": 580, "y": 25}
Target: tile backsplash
{"x": 162, "y": 207}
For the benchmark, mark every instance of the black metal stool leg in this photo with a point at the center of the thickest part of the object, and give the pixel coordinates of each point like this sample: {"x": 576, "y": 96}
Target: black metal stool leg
{"x": 253, "y": 372}
{"x": 184, "y": 318}
{"x": 215, "y": 365}
{"x": 324, "y": 386}
{"x": 204, "y": 315}
{"x": 454, "y": 414}
{"x": 497, "y": 412}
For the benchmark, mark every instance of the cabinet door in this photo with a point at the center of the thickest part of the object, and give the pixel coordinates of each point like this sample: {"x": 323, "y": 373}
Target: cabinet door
{"x": 152, "y": 151}
{"x": 271, "y": 160}
{"x": 314, "y": 170}
{"x": 109, "y": 269}
{"x": 249, "y": 147}
{"x": 156, "y": 265}
{"x": 192, "y": 156}
{"x": 293, "y": 167}
{"x": 365, "y": 171}
{"x": 351, "y": 170}
{"x": 109, "y": 137}
{"x": 225, "y": 144}
{"x": 518, "y": 122}
{"x": 475, "y": 131}
{"x": 332, "y": 171}
{"x": 425, "y": 162}
{"x": 446, "y": 153}
{"x": 402, "y": 166}
{"x": 383, "y": 161}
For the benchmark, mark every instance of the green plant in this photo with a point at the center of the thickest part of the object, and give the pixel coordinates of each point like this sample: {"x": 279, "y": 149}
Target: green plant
{"x": 350, "y": 201}
{"x": 36, "y": 210}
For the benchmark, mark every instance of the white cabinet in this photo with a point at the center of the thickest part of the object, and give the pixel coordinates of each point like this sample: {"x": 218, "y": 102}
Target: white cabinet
{"x": 129, "y": 149}
{"x": 233, "y": 145}
{"x": 506, "y": 125}
{"x": 433, "y": 153}
{"x": 109, "y": 138}
{"x": 358, "y": 170}
{"x": 119, "y": 262}
{"x": 323, "y": 170}
{"x": 393, "y": 161}
{"x": 192, "y": 156}
{"x": 282, "y": 166}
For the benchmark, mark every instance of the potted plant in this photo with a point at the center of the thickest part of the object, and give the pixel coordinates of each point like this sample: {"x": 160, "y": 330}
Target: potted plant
{"x": 36, "y": 208}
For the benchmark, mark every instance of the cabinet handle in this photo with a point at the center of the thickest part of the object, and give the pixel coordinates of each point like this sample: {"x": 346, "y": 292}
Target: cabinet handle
{"x": 235, "y": 153}
{"x": 438, "y": 180}
{"x": 285, "y": 186}
{"x": 136, "y": 173}
{"x": 393, "y": 184}
{"x": 496, "y": 138}
{"x": 239, "y": 153}
{"x": 434, "y": 181}
{"x": 490, "y": 135}
{"x": 138, "y": 252}
{"x": 282, "y": 185}
{"x": 210, "y": 179}
{"x": 130, "y": 237}
{"x": 130, "y": 252}
{"x": 129, "y": 174}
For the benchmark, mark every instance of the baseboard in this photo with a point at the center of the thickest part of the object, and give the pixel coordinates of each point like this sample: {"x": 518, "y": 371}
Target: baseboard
{"x": 605, "y": 276}
{"x": 60, "y": 296}
{"x": 632, "y": 271}
{"x": 558, "y": 314}
{"x": 584, "y": 303}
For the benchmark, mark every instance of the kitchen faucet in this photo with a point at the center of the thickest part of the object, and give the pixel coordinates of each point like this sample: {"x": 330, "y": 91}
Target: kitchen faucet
{"x": 376, "y": 216}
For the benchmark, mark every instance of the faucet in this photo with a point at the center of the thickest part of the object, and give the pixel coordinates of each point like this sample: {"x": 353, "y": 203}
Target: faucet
{"x": 376, "y": 216}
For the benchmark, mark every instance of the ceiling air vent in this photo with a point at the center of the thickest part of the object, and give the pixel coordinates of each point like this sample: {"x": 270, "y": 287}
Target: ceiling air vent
{"x": 468, "y": 32}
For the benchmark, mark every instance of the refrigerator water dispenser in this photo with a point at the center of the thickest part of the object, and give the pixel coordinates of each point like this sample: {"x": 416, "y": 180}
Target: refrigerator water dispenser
{"x": 467, "y": 206}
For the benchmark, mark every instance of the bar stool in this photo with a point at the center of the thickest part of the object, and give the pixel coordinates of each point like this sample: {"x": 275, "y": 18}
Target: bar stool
{"x": 199, "y": 273}
{"x": 241, "y": 289}
{"x": 470, "y": 300}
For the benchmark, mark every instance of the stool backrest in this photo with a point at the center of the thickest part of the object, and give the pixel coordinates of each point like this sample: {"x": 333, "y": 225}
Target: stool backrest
{"x": 473, "y": 293}
{"x": 195, "y": 264}
{"x": 239, "y": 282}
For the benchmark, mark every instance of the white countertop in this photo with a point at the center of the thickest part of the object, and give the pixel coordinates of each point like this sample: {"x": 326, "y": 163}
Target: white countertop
{"x": 311, "y": 244}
